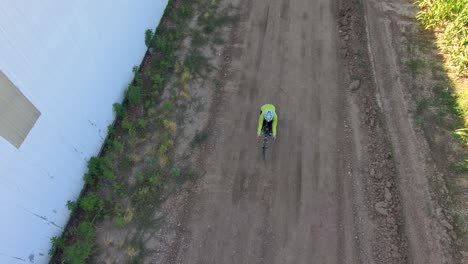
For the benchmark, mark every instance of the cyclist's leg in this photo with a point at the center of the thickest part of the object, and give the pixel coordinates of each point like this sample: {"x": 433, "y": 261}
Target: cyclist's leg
{"x": 270, "y": 127}
{"x": 263, "y": 126}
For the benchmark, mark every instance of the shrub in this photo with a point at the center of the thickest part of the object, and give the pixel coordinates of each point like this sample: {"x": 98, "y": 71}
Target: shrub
{"x": 91, "y": 203}
{"x": 158, "y": 82}
{"x": 134, "y": 94}
{"x": 98, "y": 168}
{"x": 72, "y": 206}
{"x": 199, "y": 138}
{"x": 58, "y": 243}
{"x": 116, "y": 145}
{"x": 149, "y": 38}
{"x": 141, "y": 123}
{"x": 175, "y": 172}
{"x": 78, "y": 253}
{"x": 118, "y": 109}
{"x": 168, "y": 106}
{"x": 85, "y": 231}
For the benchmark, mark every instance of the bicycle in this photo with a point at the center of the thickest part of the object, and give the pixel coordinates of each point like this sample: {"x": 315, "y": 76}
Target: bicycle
{"x": 266, "y": 132}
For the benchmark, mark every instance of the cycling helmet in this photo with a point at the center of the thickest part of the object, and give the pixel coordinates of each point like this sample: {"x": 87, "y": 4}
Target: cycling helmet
{"x": 269, "y": 116}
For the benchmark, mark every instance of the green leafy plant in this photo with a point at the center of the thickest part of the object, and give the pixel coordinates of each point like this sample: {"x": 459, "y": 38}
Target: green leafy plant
{"x": 196, "y": 62}
{"x": 168, "y": 106}
{"x": 85, "y": 231}
{"x": 134, "y": 95}
{"x": 116, "y": 145}
{"x": 149, "y": 38}
{"x": 72, "y": 206}
{"x": 118, "y": 109}
{"x": 175, "y": 172}
{"x": 199, "y": 138}
{"x": 141, "y": 123}
{"x": 98, "y": 168}
{"x": 119, "y": 222}
{"x": 158, "y": 82}
{"x": 91, "y": 203}
{"x": 58, "y": 243}
{"x": 77, "y": 253}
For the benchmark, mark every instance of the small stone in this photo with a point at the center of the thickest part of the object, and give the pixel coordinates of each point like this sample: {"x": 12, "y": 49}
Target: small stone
{"x": 355, "y": 85}
{"x": 446, "y": 225}
{"x": 346, "y": 38}
{"x": 372, "y": 172}
{"x": 391, "y": 221}
{"x": 380, "y": 208}
{"x": 388, "y": 194}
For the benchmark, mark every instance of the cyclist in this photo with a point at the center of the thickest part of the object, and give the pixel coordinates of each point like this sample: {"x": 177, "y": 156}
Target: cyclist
{"x": 268, "y": 115}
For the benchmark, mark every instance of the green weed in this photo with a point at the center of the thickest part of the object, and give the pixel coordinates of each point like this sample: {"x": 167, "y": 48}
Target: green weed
{"x": 91, "y": 203}
{"x": 119, "y": 222}
{"x": 58, "y": 243}
{"x": 85, "y": 231}
{"x": 134, "y": 95}
{"x": 199, "y": 138}
{"x": 149, "y": 38}
{"x": 196, "y": 62}
{"x": 77, "y": 253}
{"x": 422, "y": 106}
{"x": 199, "y": 39}
{"x": 175, "y": 172}
{"x": 158, "y": 82}
{"x": 168, "y": 106}
{"x": 118, "y": 109}
{"x": 415, "y": 66}
{"x": 72, "y": 206}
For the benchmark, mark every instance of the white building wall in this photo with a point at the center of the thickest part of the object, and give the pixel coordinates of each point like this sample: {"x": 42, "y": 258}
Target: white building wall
{"x": 72, "y": 59}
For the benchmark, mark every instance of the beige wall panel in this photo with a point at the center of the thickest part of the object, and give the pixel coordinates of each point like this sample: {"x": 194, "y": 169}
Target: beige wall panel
{"x": 17, "y": 114}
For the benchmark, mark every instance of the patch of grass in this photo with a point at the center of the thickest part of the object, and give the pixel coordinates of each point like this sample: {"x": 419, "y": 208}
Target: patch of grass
{"x": 196, "y": 62}
{"x": 199, "y": 39}
{"x": 415, "y": 66}
{"x": 119, "y": 222}
{"x": 422, "y": 106}
{"x": 460, "y": 167}
{"x": 158, "y": 82}
{"x": 447, "y": 101}
{"x": 449, "y": 19}
{"x": 141, "y": 123}
{"x": 168, "y": 106}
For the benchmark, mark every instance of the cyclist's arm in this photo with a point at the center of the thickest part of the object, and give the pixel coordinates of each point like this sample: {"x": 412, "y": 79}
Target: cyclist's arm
{"x": 275, "y": 123}
{"x": 260, "y": 123}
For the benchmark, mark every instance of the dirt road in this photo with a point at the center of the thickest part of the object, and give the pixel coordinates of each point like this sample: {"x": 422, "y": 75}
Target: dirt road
{"x": 329, "y": 190}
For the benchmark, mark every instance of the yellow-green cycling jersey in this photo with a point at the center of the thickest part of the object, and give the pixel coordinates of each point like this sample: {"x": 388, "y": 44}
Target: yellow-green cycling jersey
{"x": 265, "y": 108}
